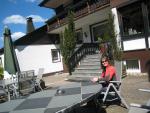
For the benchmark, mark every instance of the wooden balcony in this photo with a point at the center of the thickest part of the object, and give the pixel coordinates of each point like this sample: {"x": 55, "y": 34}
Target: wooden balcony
{"x": 79, "y": 14}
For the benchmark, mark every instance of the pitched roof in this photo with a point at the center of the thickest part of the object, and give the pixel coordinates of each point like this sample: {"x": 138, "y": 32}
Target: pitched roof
{"x": 32, "y": 36}
{"x": 37, "y": 37}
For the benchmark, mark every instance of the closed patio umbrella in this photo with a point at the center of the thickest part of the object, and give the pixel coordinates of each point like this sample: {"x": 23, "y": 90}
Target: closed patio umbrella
{"x": 10, "y": 60}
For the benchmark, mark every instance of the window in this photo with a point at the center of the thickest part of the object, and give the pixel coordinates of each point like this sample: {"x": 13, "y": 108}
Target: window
{"x": 133, "y": 65}
{"x": 132, "y": 19}
{"x": 98, "y": 30}
{"x": 55, "y": 55}
{"x": 79, "y": 36}
{"x": 149, "y": 13}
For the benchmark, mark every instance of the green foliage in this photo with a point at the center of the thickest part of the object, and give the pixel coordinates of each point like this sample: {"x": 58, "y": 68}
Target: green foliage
{"x": 1, "y": 72}
{"x": 110, "y": 35}
{"x": 104, "y": 38}
{"x": 117, "y": 52}
{"x": 67, "y": 39}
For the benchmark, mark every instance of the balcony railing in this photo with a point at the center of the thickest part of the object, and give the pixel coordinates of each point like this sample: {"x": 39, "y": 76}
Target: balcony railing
{"x": 78, "y": 14}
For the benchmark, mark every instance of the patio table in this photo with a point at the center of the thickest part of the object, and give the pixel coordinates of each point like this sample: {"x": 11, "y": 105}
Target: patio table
{"x": 55, "y": 100}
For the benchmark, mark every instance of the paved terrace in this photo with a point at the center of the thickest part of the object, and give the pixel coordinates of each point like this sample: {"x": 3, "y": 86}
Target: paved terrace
{"x": 130, "y": 86}
{"x": 129, "y": 89}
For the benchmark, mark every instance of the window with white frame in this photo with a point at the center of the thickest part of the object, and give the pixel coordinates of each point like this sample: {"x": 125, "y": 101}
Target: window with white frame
{"x": 133, "y": 65}
{"x": 55, "y": 55}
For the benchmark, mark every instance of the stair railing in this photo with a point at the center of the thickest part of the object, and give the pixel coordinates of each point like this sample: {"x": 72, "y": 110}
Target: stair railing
{"x": 79, "y": 54}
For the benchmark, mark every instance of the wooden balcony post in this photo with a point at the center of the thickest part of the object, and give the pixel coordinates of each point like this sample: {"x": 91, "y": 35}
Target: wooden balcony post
{"x": 48, "y": 28}
{"x": 88, "y": 6}
{"x": 58, "y": 22}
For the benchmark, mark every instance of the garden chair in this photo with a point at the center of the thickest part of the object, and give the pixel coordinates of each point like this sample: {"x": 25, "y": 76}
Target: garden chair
{"x": 26, "y": 81}
{"x": 113, "y": 89}
{"x": 38, "y": 79}
{"x": 8, "y": 87}
{"x": 3, "y": 92}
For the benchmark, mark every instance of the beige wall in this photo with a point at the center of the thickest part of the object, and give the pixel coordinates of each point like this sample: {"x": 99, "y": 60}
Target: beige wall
{"x": 85, "y": 22}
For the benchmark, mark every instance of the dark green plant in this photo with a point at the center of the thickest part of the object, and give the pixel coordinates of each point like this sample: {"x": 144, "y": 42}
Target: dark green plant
{"x": 67, "y": 39}
{"x": 116, "y": 49}
{"x": 1, "y": 72}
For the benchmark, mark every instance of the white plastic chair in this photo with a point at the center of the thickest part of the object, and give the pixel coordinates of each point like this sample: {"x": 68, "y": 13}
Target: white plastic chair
{"x": 39, "y": 78}
{"x": 8, "y": 86}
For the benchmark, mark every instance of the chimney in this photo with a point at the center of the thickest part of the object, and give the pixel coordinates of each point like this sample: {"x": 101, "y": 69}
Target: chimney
{"x": 30, "y": 26}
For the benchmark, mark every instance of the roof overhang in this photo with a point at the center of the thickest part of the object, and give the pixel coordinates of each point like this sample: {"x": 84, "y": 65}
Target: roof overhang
{"x": 53, "y": 3}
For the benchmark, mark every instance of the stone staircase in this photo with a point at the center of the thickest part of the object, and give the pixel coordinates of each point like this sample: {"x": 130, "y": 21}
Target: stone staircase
{"x": 88, "y": 68}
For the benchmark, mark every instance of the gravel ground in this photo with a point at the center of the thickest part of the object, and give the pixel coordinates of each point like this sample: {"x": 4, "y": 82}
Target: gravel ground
{"x": 129, "y": 90}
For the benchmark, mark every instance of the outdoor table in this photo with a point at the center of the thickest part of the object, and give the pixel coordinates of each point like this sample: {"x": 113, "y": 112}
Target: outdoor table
{"x": 55, "y": 100}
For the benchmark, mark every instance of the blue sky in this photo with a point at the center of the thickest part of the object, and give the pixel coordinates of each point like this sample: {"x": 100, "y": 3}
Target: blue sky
{"x": 13, "y": 13}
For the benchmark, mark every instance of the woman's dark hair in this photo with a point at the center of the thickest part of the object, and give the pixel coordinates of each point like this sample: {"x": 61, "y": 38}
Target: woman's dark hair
{"x": 106, "y": 59}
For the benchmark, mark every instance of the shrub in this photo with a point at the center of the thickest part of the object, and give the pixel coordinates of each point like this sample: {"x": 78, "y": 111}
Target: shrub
{"x": 67, "y": 39}
{"x": 1, "y": 72}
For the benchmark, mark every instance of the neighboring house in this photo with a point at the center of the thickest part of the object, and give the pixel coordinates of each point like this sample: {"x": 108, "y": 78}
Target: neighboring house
{"x": 131, "y": 18}
{"x": 38, "y": 49}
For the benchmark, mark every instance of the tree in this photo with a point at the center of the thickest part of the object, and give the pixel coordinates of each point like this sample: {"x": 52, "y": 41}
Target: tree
{"x": 110, "y": 37}
{"x": 68, "y": 40}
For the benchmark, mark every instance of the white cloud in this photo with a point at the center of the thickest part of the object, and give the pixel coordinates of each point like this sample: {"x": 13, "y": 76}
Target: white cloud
{"x": 14, "y": 36}
{"x": 37, "y": 18}
{"x": 17, "y": 35}
{"x": 18, "y": 19}
{"x": 15, "y": 19}
{"x": 33, "y": 1}
{"x": 1, "y": 38}
{"x": 13, "y": 1}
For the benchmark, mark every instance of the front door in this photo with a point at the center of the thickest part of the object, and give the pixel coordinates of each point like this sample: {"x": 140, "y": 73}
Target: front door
{"x": 98, "y": 30}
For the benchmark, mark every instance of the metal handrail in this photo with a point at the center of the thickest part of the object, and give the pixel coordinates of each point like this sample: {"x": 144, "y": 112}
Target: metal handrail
{"x": 78, "y": 55}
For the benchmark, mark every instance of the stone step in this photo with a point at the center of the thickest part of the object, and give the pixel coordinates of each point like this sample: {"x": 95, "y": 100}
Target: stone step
{"x": 93, "y": 56}
{"x": 87, "y": 63}
{"x": 86, "y": 73}
{"x": 92, "y": 60}
{"x": 90, "y": 66}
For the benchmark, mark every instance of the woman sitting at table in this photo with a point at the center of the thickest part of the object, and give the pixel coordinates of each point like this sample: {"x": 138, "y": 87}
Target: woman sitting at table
{"x": 108, "y": 73}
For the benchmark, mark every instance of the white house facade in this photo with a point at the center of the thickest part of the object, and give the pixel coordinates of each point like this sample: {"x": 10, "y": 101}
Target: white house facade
{"x": 131, "y": 20}
{"x": 38, "y": 50}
